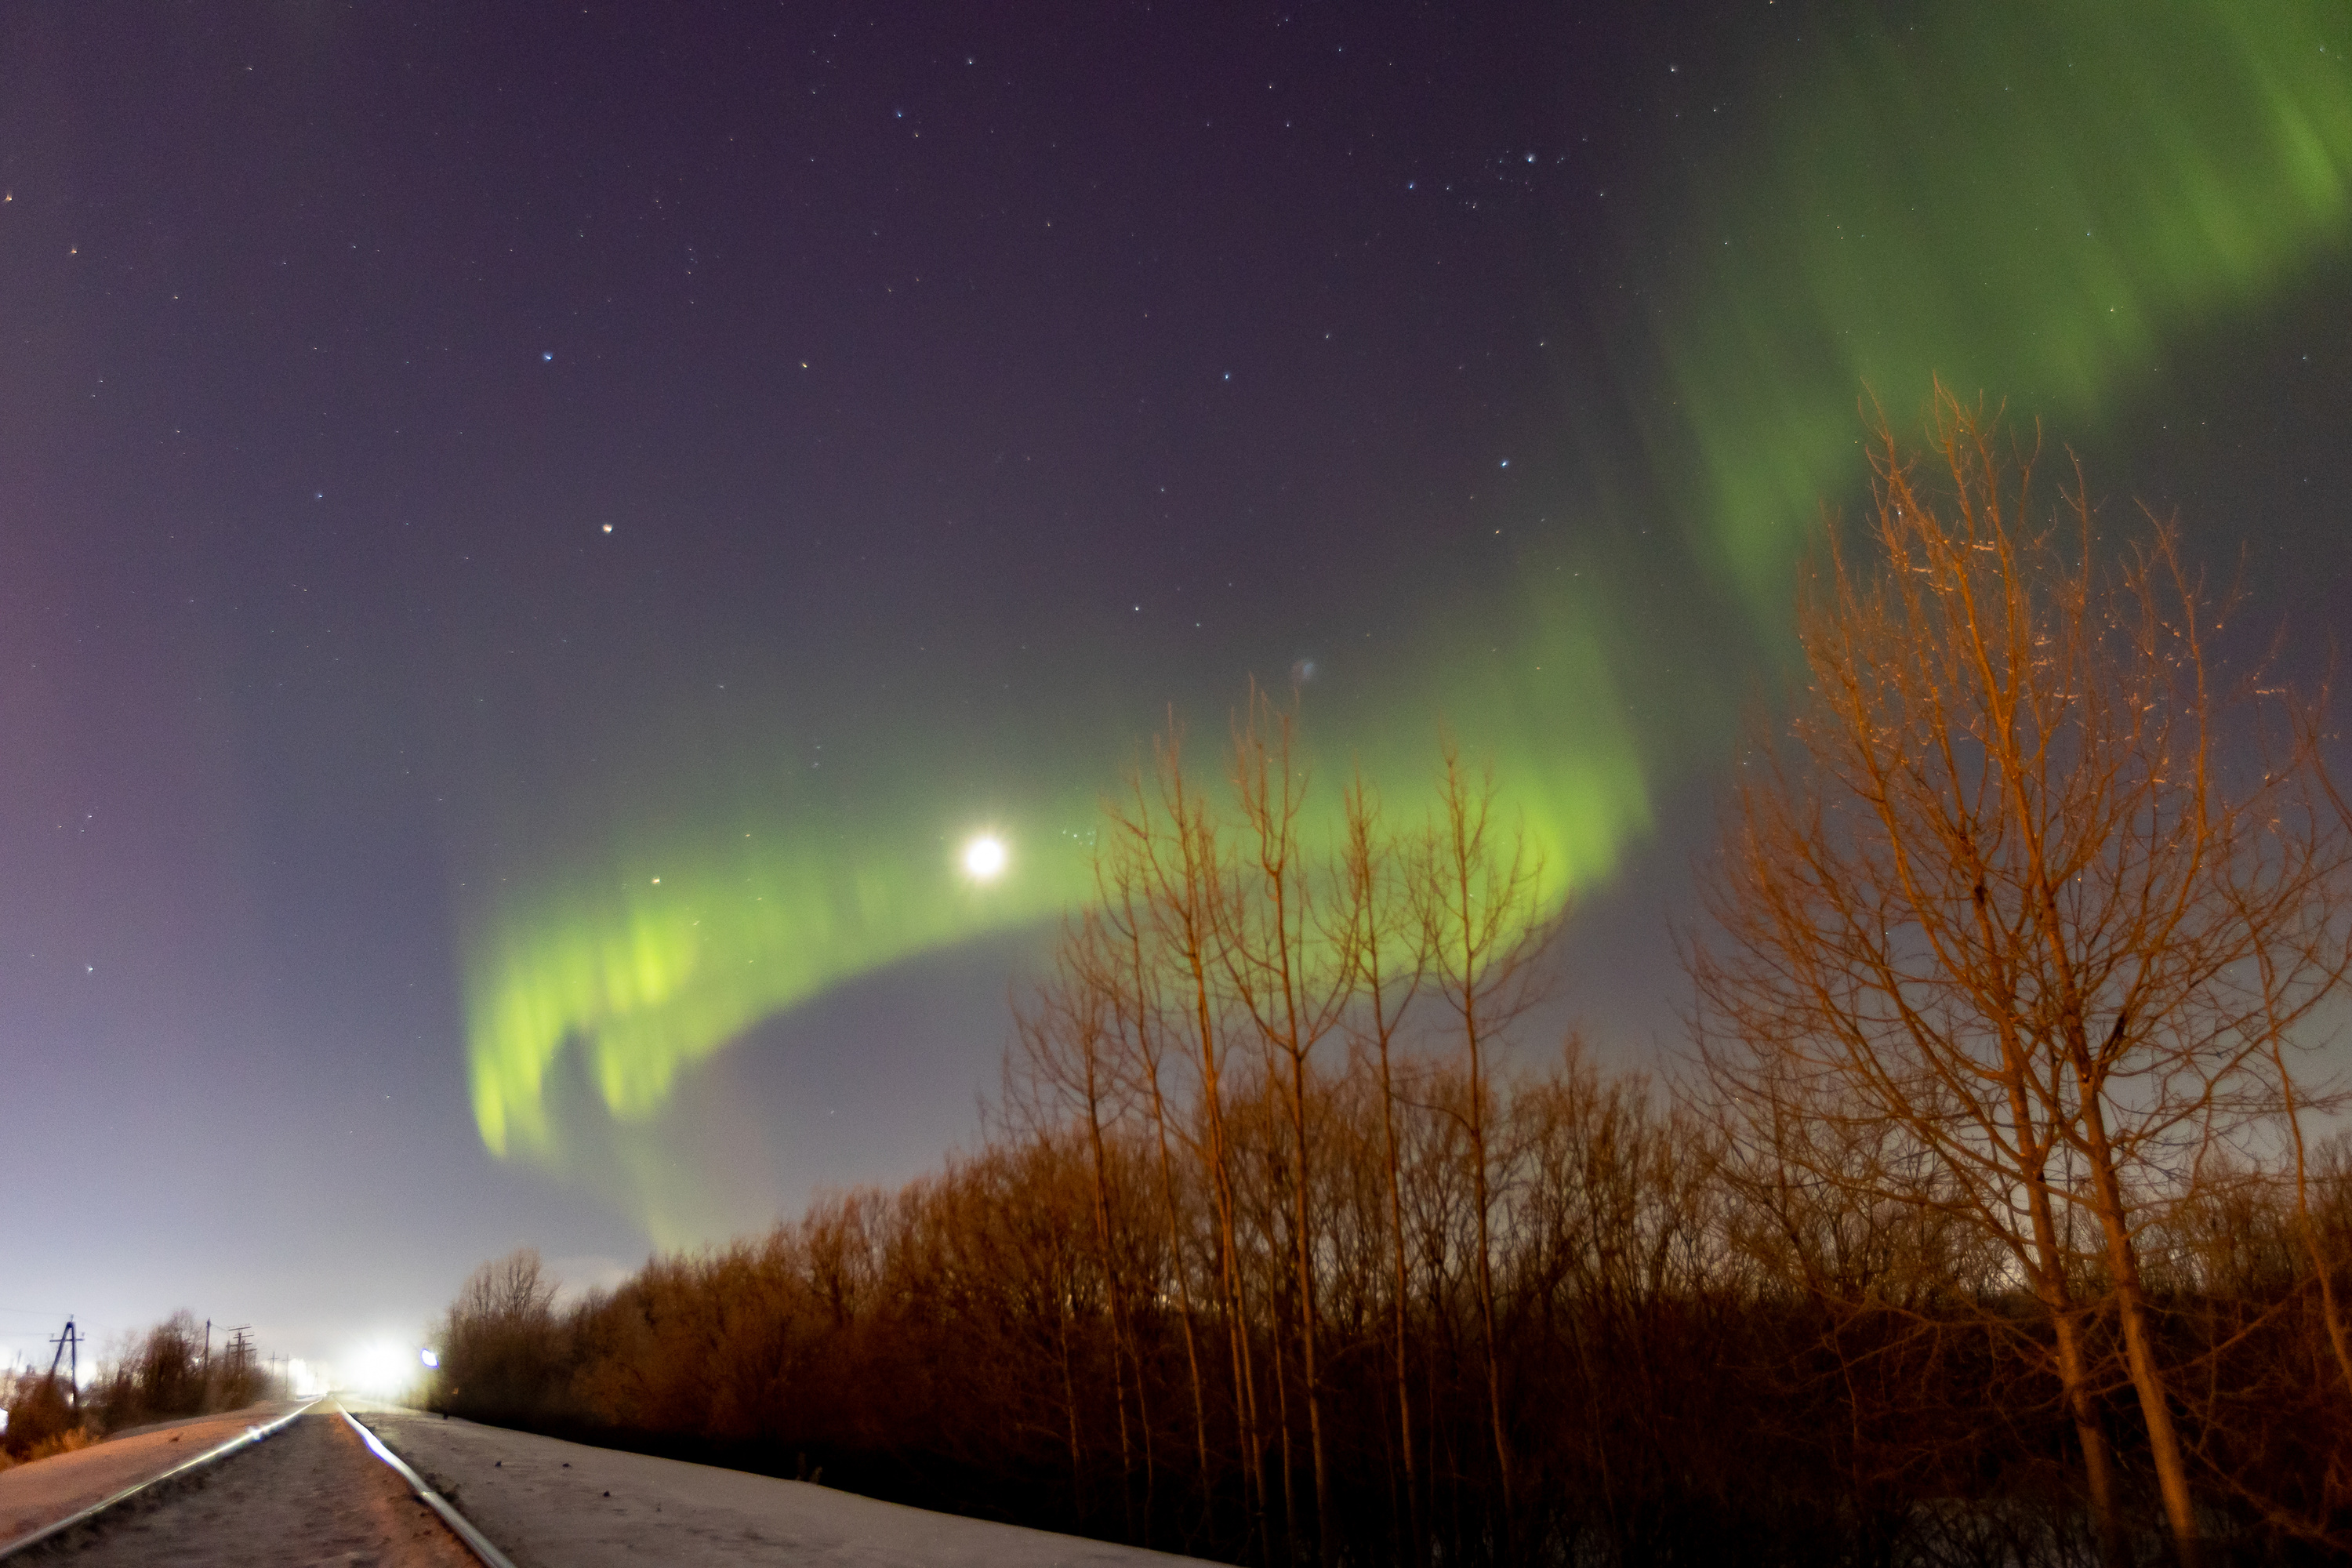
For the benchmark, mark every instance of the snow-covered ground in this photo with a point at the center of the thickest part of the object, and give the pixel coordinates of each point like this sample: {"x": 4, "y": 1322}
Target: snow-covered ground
{"x": 552, "y": 1504}
{"x": 47, "y": 1490}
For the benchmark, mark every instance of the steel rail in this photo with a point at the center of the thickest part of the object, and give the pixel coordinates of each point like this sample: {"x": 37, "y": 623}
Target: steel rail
{"x": 459, "y": 1525}
{"x": 180, "y": 1471}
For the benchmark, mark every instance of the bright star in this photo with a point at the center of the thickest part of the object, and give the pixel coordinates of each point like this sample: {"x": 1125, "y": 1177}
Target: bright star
{"x": 984, "y": 857}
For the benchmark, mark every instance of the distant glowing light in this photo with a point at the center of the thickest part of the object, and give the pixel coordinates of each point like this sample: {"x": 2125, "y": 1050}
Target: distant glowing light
{"x": 985, "y": 858}
{"x": 430, "y": 1358}
{"x": 384, "y": 1368}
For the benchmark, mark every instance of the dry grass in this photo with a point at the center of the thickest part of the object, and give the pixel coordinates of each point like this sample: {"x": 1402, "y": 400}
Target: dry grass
{"x": 66, "y": 1442}
{"x": 72, "y": 1440}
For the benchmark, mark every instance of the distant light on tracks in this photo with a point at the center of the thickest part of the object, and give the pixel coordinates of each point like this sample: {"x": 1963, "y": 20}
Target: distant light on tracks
{"x": 386, "y": 1368}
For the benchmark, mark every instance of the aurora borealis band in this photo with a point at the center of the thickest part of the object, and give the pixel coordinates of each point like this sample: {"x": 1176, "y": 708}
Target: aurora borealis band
{"x": 2042, "y": 201}
{"x": 535, "y": 539}
{"x": 2046, "y": 203}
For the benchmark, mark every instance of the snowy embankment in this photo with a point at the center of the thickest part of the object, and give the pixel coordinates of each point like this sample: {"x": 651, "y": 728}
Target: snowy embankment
{"x": 547, "y": 1503}
{"x": 39, "y": 1494}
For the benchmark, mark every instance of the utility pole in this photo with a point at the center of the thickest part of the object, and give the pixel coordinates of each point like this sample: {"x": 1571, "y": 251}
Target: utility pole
{"x": 68, "y": 1342}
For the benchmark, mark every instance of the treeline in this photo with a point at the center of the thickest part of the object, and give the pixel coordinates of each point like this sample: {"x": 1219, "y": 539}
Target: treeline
{"x": 1690, "y": 1368}
{"x": 169, "y": 1372}
{"x": 1983, "y": 1226}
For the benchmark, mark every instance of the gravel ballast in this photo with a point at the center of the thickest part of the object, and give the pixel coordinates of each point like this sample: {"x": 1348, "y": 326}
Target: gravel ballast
{"x": 311, "y": 1494}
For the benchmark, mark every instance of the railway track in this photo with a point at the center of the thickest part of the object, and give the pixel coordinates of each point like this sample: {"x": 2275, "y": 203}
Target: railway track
{"x": 312, "y": 1486}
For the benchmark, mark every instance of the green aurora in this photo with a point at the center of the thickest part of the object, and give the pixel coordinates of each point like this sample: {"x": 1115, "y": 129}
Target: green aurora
{"x": 2040, "y": 201}
{"x": 2037, "y": 200}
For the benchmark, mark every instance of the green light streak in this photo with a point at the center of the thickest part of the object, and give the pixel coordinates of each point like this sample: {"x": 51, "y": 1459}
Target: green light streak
{"x": 1548, "y": 701}
{"x": 661, "y": 957}
{"x": 648, "y": 971}
{"x": 2038, "y": 202}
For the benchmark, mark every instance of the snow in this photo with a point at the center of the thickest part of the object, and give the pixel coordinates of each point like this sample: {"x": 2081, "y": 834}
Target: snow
{"x": 47, "y": 1490}
{"x": 547, "y": 1503}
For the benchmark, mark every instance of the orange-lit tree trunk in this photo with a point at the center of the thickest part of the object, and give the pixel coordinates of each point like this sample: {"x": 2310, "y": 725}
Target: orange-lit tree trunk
{"x": 1168, "y": 838}
{"x": 1480, "y": 904}
{"x": 1389, "y": 965}
{"x": 2003, "y": 896}
{"x": 1064, "y": 1043}
{"x": 1295, "y": 993}
{"x": 1128, "y": 975}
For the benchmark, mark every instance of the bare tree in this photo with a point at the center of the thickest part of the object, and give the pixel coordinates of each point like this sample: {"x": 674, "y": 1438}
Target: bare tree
{"x": 1063, "y": 1071}
{"x": 498, "y": 1340}
{"x": 1478, "y": 889}
{"x": 1167, "y": 842}
{"x": 2008, "y": 895}
{"x": 1295, "y": 985}
{"x": 1123, "y": 969}
{"x": 1389, "y": 953}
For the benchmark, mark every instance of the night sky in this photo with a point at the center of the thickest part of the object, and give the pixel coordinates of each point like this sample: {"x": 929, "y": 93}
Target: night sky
{"x": 531, "y": 536}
